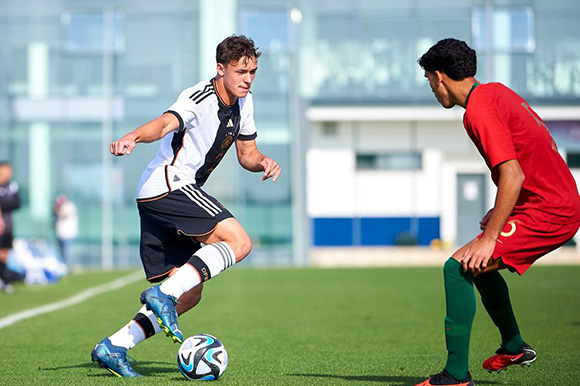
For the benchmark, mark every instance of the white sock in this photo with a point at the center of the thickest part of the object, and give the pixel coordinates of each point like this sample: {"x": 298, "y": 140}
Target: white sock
{"x": 206, "y": 263}
{"x": 144, "y": 325}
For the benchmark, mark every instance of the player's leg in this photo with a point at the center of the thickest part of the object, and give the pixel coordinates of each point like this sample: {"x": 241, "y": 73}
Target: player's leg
{"x": 5, "y": 246}
{"x": 460, "y": 311}
{"x": 226, "y": 242}
{"x": 144, "y": 324}
{"x": 111, "y": 352}
{"x": 162, "y": 251}
{"x": 496, "y": 300}
{"x": 3, "y": 261}
{"x": 226, "y": 245}
{"x": 523, "y": 241}
{"x": 5, "y": 285}
{"x": 189, "y": 300}
{"x": 518, "y": 246}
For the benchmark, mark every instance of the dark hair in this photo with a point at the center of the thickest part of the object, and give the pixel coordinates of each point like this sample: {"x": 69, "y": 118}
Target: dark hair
{"x": 452, "y": 57}
{"x": 235, "y": 47}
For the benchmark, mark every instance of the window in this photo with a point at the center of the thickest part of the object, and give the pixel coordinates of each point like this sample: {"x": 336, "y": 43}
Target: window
{"x": 389, "y": 161}
{"x": 573, "y": 159}
{"x": 85, "y": 33}
{"x": 508, "y": 30}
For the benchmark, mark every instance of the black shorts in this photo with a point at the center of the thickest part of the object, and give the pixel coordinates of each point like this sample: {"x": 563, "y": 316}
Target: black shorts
{"x": 169, "y": 226}
{"x": 6, "y": 239}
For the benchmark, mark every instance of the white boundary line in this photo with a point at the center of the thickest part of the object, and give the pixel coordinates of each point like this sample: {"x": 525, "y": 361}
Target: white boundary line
{"x": 76, "y": 299}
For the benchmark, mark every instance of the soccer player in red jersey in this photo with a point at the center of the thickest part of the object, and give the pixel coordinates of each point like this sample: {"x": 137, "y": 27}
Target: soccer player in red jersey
{"x": 536, "y": 210}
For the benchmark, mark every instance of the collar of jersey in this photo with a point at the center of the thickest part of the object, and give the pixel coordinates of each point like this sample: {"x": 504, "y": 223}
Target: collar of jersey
{"x": 468, "y": 94}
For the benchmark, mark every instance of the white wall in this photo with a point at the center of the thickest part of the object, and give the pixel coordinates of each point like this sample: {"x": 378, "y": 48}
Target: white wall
{"x": 336, "y": 189}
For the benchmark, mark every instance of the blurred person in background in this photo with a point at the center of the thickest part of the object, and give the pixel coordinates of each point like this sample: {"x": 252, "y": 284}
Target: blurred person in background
{"x": 187, "y": 236}
{"x": 9, "y": 202}
{"x": 66, "y": 226}
{"x": 536, "y": 210}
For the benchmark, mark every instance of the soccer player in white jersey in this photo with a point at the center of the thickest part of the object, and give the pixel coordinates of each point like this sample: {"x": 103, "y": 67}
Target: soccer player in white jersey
{"x": 187, "y": 236}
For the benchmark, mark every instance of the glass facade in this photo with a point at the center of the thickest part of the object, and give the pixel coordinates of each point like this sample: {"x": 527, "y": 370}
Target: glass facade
{"x": 364, "y": 52}
{"x": 74, "y": 75}
{"x": 71, "y": 71}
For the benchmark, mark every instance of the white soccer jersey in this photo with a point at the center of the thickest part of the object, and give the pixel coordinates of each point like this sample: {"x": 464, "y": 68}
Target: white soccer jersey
{"x": 207, "y": 129}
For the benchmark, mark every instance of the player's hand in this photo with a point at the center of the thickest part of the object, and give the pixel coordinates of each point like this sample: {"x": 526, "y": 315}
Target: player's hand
{"x": 2, "y": 225}
{"x": 123, "y": 146}
{"x": 477, "y": 255}
{"x": 271, "y": 169}
{"x": 485, "y": 219}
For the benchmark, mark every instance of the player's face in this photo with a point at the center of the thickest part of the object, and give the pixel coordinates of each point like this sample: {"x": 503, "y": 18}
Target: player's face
{"x": 238, "y": 76}
{"x": 439, "y": 89}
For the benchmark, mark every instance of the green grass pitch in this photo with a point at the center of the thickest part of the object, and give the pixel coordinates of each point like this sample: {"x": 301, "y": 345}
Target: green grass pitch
{"x": 298, "y": 327}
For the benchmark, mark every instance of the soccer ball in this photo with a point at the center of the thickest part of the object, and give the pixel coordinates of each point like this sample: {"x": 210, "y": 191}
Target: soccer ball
{"x": 202, "y": 357}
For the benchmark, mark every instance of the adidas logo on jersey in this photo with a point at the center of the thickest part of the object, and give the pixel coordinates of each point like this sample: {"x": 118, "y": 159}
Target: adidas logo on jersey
{"x": 230, "y": 123}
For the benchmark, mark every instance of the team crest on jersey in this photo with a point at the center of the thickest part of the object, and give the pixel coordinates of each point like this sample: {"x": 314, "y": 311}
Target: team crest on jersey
{"x": 227, "y": 141}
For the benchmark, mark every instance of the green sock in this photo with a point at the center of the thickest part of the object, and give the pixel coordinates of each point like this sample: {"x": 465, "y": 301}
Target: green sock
{"x": 460, "y": 303}
{"x": 496, "y": 299}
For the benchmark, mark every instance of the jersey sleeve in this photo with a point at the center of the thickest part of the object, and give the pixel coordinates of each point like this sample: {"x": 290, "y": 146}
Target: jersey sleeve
{"x": 184, "y": 110}
{"x": 491, "y": 133}
{"x": 248, "y": 129}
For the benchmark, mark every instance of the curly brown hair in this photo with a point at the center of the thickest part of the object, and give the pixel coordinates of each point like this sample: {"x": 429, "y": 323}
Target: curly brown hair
{"x": 235, "y": 47}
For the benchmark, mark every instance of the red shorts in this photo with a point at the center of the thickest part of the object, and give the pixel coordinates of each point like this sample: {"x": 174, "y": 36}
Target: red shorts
{"x": 525, "y": 239}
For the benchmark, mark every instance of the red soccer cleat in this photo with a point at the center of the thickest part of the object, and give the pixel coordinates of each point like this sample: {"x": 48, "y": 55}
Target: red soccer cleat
{"x": 445, "y": 379}
{"x": 503, "y": 358}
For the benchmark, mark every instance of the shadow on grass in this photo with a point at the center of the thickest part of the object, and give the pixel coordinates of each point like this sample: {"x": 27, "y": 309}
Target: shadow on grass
{"x": 390, "y": 379}
{"x": 147, "y": 368}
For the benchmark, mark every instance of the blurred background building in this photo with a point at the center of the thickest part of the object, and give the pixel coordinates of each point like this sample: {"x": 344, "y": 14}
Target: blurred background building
{"x": 369, "y": 157}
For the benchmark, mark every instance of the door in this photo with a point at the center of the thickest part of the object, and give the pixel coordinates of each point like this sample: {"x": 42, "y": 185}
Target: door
{"x": 470, "y": 206}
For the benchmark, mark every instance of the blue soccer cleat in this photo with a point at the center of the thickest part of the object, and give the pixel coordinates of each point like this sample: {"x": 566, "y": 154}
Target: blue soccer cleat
{"x": 114, "y": 359}
{"x": 163, "y": 306}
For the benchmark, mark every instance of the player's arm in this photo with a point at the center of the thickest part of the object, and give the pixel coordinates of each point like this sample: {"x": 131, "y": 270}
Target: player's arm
{"x": 149, "y": 132}
{"x": 511, "y": 178}
{"x": 253, "y": 160}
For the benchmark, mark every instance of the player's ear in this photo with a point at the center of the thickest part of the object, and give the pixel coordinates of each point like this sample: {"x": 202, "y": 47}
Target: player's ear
{"x": 439, "y": 76}
{"x": 221, "y": 69}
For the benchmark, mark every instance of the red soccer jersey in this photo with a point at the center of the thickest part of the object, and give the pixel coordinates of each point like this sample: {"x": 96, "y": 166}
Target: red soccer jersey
{"x": 503, "y": 127}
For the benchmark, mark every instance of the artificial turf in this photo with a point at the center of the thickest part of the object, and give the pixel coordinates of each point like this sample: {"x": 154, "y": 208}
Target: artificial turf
{"x": 380, "y": 326}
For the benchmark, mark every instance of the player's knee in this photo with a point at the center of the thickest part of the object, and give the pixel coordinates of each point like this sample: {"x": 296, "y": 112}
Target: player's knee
{"x": 447, "y": 267}
{"x": 243, "y": 247}
{"x": 453, "y": 272}
{"x": 451, "y": 268}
